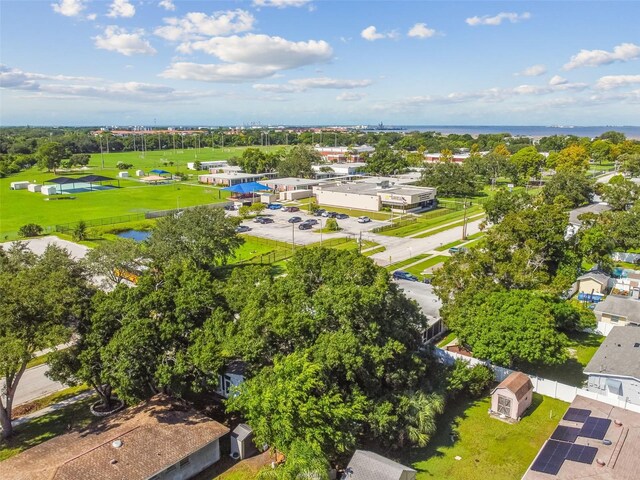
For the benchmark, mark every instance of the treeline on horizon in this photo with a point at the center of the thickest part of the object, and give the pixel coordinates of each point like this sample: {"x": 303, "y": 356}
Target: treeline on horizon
{"x": 19, "y": 145}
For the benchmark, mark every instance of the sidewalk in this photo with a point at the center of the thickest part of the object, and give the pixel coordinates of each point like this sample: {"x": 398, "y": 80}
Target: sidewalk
{"x": 51, "y": 408}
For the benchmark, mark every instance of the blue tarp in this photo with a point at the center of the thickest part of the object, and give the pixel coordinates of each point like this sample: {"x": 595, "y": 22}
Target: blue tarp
{"x": 157, "y": 171}
{"x": 249, "y": 187}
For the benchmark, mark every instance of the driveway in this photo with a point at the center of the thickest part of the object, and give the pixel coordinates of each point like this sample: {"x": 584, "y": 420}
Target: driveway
{"x": 39, "y": 245}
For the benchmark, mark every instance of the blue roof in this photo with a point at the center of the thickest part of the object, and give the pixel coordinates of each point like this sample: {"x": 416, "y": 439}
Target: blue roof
{"x": 248, "y": 187}
{"x": 159, "y": 172}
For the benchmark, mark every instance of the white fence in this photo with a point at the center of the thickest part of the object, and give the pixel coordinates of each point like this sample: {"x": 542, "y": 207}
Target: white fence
{"x": 543, "y": 386}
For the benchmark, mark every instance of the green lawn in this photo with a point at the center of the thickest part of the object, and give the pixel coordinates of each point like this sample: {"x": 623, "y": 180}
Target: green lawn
{"x": 489, "y": 448}
{"x": 425, "y": 222}
{"x": 582, "y": 347}
{"x": 46, "y": 427}
{"x": 447, "y": 340}
{"x": 398, "y": 265}
{"x": 42, "y": 402}
{"x": 418, "y": 268}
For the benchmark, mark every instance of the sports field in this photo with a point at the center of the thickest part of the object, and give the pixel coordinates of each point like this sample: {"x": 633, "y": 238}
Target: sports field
{"x": 20, "y": 207}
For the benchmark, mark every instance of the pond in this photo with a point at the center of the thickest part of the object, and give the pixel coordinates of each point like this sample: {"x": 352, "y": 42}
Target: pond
{"x": 137, "y": 235}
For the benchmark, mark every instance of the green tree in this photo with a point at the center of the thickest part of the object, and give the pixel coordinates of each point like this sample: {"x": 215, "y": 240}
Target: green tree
{"x": 41, "y": 299}
{"x": 80, "y": 231}
{"x": 571, "y": 185}
{"x": 30, "y": 230}
{"x": 510, "y": 328}
{"x": 505, "y": 202}
{"x": 574, "y": 158}
{"x": 620, "y": 192}
{"x": 613, "y": 136}
{"x": 204, "y": 235}
{"x": 302, "y": 462}
{"x": 465, "y": 379}
{"x": 630, "y": 163}
{"x": 386, "y": 161}
{"x": 79, "y": 159}
{"x": 50, "y": 155}
{"x": 111, "y": 260}
{"x": 332, "y": 225}
{"x": 297, "y": 162}
{"x": 525, "y": 164}
{"x": 257, "y": 208}
{"x": 603, "y": 151}
{"x": 450, "y": 179}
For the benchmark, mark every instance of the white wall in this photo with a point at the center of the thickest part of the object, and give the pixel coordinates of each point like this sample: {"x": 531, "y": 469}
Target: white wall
{"x": 348, "y": 200}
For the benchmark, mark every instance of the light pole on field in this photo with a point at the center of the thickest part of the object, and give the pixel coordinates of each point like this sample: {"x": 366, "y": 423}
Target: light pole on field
{"x": 293, "y": 238}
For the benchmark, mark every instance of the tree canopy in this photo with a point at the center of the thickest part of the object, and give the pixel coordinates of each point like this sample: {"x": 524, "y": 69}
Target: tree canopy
{"x": 297, "y": 162}
{"x": 451, "y": 179}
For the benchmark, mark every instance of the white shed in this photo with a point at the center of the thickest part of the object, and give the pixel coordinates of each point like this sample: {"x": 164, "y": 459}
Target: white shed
{"x": 123, "y": 174}
{"x": 34, "y": 187}
{"x": 139, "y": 173}
{"x": 19, "y": 185}
{"x": 49, "y": 190}
{"x": 242, "y": 445}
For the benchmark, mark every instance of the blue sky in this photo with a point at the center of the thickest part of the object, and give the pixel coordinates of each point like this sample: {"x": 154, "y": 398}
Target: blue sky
{"x": 172, "y": 62}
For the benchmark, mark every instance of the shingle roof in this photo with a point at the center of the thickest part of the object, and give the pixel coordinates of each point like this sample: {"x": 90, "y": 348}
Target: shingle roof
{"x": 620, "y": 306}
{"x": 601, "y": 278}
{"x": 154, "y": 435}
{"x": 618, "y": 354}
{"x": 367, "y": 465}
{"x": 518, "y": 383}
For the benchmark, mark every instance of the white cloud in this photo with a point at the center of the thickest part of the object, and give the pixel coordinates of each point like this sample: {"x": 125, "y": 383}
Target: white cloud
{"x": 533, "y": 71}
{"x": 167, "y": 5}
{"x": 117, "y": 39}
{"x": 220, "y": 72}
{"x": 350, "y": 97}
{"x": 420, "y": 30}
{"x": 594, "y": 58}
{"x": 280, "y": 3}
{"x": 498, "y": 19}
{"x": 371, "y": 33}
{"x": 198, "y": 26}
{"x": 558, "y": 80}
{"x": 69, "y": 8}
{"x": 610, "y": 82}
{"x": 303, "y": 84}
{"x": 92, "y": 16}
{"x": 121, "y": 8}
{"x": 264, "y": 50}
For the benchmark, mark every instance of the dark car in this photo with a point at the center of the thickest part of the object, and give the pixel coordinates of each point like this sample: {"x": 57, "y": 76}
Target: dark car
{"x": 274, "y": 206}
{"x": 318, "y": 212}
{"x": 330, "y": 214}
{"x": 263, "y": 220}
{"x": 341, "y": 216}
{"x": 294, "y": 220}
{"x": 242, "y": 229}
{"x": 402, "y": 275}
{"x": 229, "y": 208}
{"x": 305, "y": 226}
{"x": 311, "y": 221}
{"x": 290, "y": 209}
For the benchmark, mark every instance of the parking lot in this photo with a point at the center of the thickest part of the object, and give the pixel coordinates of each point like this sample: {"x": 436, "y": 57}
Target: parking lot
{"x": 282, "y": 230}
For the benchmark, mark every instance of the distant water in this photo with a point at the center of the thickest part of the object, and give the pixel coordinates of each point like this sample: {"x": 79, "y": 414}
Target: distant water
{"x": 527, "y": 131}
{"x": 137, "y": 235}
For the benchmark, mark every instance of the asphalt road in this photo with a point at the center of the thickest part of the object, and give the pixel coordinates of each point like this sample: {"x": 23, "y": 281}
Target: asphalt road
{"x": 424, "y": 296}
{"x": 33, "y": 384}
{"x": 38, "y": 246}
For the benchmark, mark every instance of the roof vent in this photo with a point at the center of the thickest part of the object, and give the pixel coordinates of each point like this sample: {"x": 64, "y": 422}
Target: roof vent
{"x": 116, "y": 443}
{"x": 636, "y": 345}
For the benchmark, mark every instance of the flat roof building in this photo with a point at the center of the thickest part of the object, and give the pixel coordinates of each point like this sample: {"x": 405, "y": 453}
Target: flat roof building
{"x": 344, "y": 154}
{"x": 231, "y": 179}
{"x": 291, "y": 183}
{"x": 363, "y": 195}
{"x": 340, "y": 168}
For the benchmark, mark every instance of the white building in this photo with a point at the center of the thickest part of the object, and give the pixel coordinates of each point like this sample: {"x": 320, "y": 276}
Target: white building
{"x": 208, "y": 165}
{"x": 339, "y": 169}
{"x": 231, "y": 179}
{"x": 344, "y": 154}
{"x": 291, "y": 183}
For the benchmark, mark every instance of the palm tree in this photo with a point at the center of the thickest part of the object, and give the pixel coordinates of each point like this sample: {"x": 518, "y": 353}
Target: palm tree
{"x": 421, "y": 411}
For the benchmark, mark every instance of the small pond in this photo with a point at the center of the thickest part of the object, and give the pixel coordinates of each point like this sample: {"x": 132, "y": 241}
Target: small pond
{"x": 137, "y": 235}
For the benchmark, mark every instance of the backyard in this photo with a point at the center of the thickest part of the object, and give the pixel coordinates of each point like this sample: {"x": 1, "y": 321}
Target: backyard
{"x": 487, "y": 447}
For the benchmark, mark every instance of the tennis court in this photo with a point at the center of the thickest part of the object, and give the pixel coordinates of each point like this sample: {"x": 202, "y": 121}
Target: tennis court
{"x": 88, "y": 183}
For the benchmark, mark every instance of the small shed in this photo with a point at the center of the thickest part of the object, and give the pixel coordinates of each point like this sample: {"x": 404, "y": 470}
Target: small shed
{"x": 139, "y": 173}
{"x": 19, "y": 185}
{"x": 34, "y": 187}
{"x": 512, "y": 397}
{"x": 242, "y": 445}
{"x": 123, "y": 174}
{"x": 366, "y": 465}
{"x": 49, "y": 190}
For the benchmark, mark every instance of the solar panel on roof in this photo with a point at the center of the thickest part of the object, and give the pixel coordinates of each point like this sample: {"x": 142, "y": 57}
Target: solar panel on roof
{"x": 582, "y": 454}
{"x": 577, "y": 415}
{"x": 595, "y": 428}
{"x": 565, "y": 434}
{"x": 551, "y": 457}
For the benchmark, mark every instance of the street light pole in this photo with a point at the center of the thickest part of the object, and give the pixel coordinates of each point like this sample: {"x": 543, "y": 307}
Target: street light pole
{"x": 293, "y": 238}
{"x": 464, "y": 221}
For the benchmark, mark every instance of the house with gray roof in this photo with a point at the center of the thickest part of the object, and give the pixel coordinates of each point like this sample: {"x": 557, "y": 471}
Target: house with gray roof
{"x": 365, "y": 465}
{"x": 615, "y": 368}
{"x": 618, "y": 310}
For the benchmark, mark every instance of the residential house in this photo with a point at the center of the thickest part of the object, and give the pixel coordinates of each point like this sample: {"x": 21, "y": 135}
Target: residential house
{"x": 365, "y": 465}
{"x": 616, "y": 310}
{"x": 512, "y": 396}
{"x": 160, "y": 439}
{"x": 231, "y": 378}
{"x": 594, "y": 283}
{"x": 615, "y": 368}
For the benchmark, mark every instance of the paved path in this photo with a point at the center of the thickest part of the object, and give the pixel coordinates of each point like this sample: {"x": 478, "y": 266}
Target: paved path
{"x": 38, "y": 245}
{"x": 51, "y": 408}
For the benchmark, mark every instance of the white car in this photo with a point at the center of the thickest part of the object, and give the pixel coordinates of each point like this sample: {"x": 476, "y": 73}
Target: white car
{"x": 364, "y": 219}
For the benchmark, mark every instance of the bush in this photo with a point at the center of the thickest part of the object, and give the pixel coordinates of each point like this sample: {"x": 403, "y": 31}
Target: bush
{"x": 332, "y": 225}
{"x": 257, "y": 208}
{"x": 80, "y": 231}
{"x": 30, "y": 230}
{"x": 244, "y": 211}
{"x": 197, "y": 165}
{"x": 123, "y": 166}
{"x": 471, "y": 381}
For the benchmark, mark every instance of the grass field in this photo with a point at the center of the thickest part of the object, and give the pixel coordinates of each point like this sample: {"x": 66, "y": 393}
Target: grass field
{"x": 427, "y": 221}
{"x": 20, "y": 207}
{"x": 430, "y": 262}
{"x": 489, "y": 448}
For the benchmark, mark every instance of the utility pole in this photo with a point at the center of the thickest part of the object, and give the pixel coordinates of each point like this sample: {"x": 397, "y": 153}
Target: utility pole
{"x": 360, "y": 243}
{"x": 293, "y": 238}
{"x": 101, "y": 152}
{"x": 464, "y": 221}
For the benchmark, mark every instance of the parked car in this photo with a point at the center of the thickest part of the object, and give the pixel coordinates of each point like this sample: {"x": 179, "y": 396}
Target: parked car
{"x": 341, "y": 216}
{"x": 364, "y": 219}
{"x": 305, "y": 226}
{"x": 294, "y": 220}
{"x": 457, "y": 249}
{"x": 290, "y": 209}
{"x": 311, "y": 221}
{"x": 229, "y": 208}
{"x": 263, "y": 220}
{"x": 242, "y": 229}
{"x": 274, "y": 206}
{"x": 330, "y": 214}
{"x": 402, "y": 275}
{"x": 318, "y": 212}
